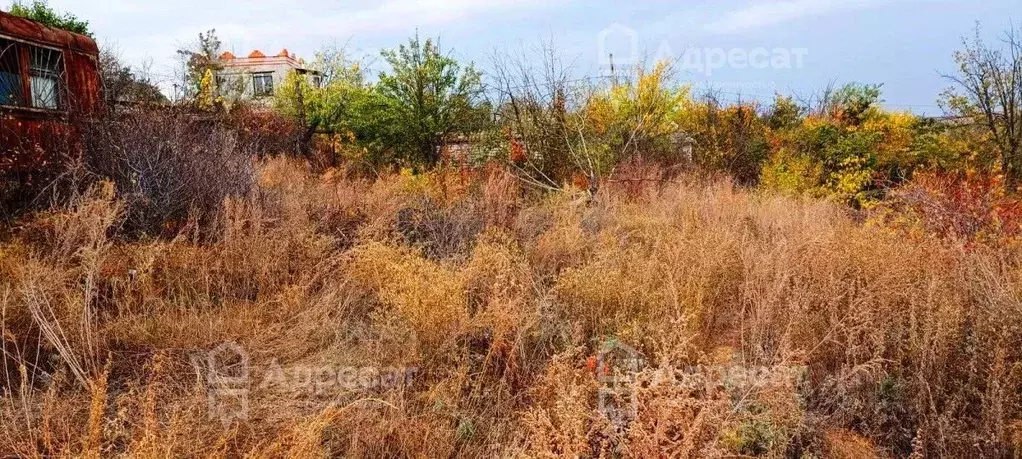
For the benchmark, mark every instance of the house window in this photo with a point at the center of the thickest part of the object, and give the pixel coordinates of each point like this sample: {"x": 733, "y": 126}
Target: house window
{"x": 11, "y": 92}
{"x": 45, "y": 77}
{"x": 262, "y": 84}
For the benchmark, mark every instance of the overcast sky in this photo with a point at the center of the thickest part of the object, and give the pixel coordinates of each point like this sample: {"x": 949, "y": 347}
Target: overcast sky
{"x": 740, "y": 46}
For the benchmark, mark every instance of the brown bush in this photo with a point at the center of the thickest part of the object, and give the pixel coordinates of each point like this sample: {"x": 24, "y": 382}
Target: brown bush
{"x": 266, "y": 132}
{"x": 169, "y": 165}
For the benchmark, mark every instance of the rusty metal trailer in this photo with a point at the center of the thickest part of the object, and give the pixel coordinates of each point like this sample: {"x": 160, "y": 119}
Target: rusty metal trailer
{"x": 48, "y": 79}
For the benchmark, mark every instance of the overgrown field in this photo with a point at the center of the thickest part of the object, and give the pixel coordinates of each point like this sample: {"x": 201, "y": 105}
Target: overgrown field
{"x": 476, "y": 314}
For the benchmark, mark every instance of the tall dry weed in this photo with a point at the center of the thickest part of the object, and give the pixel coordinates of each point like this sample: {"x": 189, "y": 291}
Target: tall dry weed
{"x": 503, "y": 302}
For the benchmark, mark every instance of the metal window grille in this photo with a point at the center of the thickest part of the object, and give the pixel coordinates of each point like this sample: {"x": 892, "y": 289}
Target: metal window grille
{"x": 46, "y": 70}
{"x": 31, "y": 76}
{"x": 11, "y": 89}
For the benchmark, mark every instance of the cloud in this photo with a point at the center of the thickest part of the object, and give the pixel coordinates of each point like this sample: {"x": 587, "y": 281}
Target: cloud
{"x": 772, "y": 13}
{"x": 402, "y": 14}
{"x": 152, "y": 31}
{"x": 383, "y": 18}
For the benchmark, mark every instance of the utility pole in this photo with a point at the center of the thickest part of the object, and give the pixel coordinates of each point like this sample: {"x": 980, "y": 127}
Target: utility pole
{"x": 613, "y": 77}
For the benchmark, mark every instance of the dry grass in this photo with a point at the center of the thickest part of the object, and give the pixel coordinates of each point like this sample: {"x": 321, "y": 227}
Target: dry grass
{"x": 501, "y": 300}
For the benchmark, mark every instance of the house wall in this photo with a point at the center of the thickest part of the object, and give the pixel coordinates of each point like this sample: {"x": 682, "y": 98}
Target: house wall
{"x": 236, "y": 75}
{"x": 239, "y": 78}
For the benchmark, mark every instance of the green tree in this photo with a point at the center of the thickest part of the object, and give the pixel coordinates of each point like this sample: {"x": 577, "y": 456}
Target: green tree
{"x": 40, "y": 11}
{"x": 853, "y": 103}
{"x": 320, "y": 99}
{"x": 988, "y": 92}
{"x": 785, "y": 113}
{"x": 426, "y": 97}
{"x": 333, "y": 100}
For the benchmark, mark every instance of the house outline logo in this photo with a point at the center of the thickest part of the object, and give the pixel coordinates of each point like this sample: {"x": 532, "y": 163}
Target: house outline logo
{"x": 616, "y": 367}
{"x": 223, "y": 360}
{"x": 617, "y": 360}
{"x": 225, "y": 371}
{"x": 617, "y": 30}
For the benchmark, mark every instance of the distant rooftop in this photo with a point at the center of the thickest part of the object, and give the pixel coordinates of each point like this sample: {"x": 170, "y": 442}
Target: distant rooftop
{"x": 258, "y": 57}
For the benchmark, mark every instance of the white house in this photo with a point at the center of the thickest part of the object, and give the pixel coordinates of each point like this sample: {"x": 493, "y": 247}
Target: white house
{"x": 256, "y": 76}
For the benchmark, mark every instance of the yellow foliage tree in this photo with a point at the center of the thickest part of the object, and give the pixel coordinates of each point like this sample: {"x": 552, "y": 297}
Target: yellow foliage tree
{"x": 206, "y": 98}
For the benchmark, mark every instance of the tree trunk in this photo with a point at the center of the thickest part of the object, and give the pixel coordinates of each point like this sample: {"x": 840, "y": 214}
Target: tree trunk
{"x": 305, "y": 142}
{"x": 1011, "y": 171}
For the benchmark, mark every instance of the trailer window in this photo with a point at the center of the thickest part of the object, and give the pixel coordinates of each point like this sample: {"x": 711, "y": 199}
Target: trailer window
{"x": 46, "y": 77}
{"x": 10, "y": 74}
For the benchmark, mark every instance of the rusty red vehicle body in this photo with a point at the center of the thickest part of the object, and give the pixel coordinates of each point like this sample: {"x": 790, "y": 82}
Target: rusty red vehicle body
{"x": 49, "y": 78}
